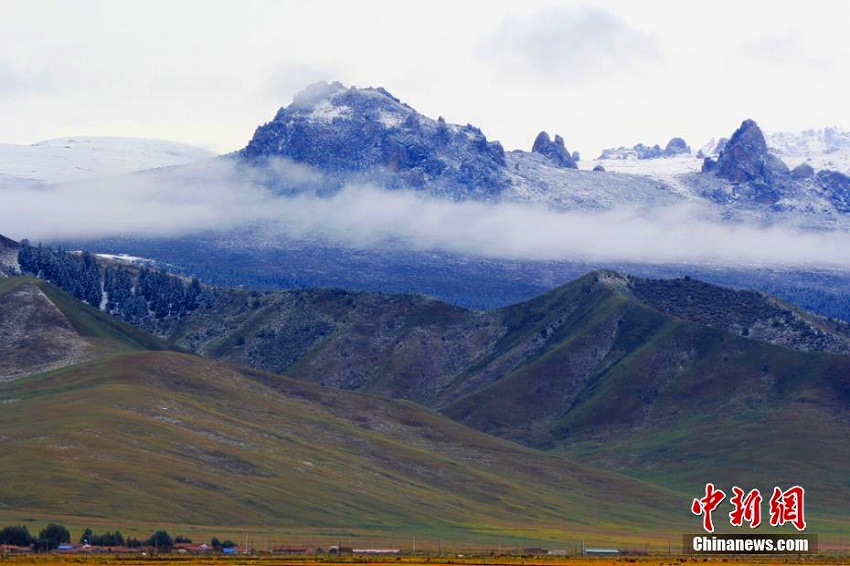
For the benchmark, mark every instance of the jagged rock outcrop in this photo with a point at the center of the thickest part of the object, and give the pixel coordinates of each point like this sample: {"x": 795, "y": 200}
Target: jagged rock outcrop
{"x": 676, "y": 146}
{"x": 745, "y": 158}
{"x": 802, "y": 172}
{"x": 368, "y": 134}
{"x": 555, "y": 150}
{"x": 837, "y": 188}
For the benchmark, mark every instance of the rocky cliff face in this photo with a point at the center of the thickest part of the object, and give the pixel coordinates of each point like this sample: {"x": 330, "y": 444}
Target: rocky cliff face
{"x": 745, "y": 161}
{"x": 675, "y": 147}
{"x": 368, "y": 134}
{"x": 745, "y": 158}
{"x": 8, "y": 256}
{"x": 837, "y": 188}
{"x": 759, "y": 176}
{"x": 555, "y": 151}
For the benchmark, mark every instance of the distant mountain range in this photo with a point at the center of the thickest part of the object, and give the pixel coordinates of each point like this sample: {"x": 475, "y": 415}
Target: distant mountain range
{"x": 333, "y": 140}
{"x": 85, "y": 157}
{"x": 136, "y": 433}
{"x": 671, "y": 382}
{"x": 367, "y": 135}
{"x": 410, "y": 410}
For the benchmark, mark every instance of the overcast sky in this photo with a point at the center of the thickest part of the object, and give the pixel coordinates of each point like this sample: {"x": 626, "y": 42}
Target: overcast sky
{"x": 601, "y": 74}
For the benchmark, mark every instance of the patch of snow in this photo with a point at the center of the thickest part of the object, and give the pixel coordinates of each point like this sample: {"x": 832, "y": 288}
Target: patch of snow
{"x": 670, "y": 171}
{"x": 534, "y": 180}
{"x": 709, "y": 149}
{"x": 325, "y": 111}
{"x": 390, "y": 119}
{"x": 79, "y": 158}
{"x": 826, "y": 148}
{"x": 125, "y": 258}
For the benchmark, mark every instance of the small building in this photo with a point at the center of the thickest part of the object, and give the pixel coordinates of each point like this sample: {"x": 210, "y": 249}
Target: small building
{"x": 7, "y": 549}
{"x": 291, "y": 550}
{"x": 378, "y": 551}
{"x": 601, "y": 551}
{"x": 192, "y": 548}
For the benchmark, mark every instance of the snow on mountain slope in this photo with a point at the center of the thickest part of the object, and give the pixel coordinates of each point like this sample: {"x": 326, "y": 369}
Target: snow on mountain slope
{"x": 668, "y": 170}
{"x": 368, "y": 135}
{"x": 78, "y": 158}
{"x": 825, "y": 148}
{"x": 534, "y": 180}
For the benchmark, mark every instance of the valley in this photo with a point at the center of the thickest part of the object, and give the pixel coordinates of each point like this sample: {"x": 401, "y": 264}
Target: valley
{"x": 369, "y": 323}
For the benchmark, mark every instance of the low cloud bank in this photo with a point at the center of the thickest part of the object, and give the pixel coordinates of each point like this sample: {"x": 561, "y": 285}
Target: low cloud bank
{"x": 221, "y": 196}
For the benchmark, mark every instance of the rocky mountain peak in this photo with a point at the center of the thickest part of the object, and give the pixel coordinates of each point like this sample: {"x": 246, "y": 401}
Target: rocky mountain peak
{"x": 555, "y": 150}
{"x": 745, "y": 158}
{"x": 370, "y": 133}
{"x": 315, "y": 93}
{"x": 676, "y": 146}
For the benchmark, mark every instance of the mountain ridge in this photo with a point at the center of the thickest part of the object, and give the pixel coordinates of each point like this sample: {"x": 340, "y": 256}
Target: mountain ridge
{"x": 145, "y": 437}
{"x": 586, "y": 370}
{"x": 347, "y": 132}
{"x": 87, "y": 157}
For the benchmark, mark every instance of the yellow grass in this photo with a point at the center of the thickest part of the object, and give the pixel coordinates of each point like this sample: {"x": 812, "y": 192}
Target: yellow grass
{"x": 454, "y": 560}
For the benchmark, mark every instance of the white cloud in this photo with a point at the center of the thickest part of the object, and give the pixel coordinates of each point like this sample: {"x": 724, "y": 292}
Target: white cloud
{"x": 562, "y": 39}
{"x": 17, "y": 81}
{"x": 219, "y": 196}
{"x": 364, "y": 217}
{"x": 289, "y": 79}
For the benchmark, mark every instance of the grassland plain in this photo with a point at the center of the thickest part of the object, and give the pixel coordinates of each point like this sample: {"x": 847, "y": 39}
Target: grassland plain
{"x": 139, "y": 438}
{"x": 423, "y": 560}
{"x": 676, "y": 383}
{"x": 136, "y": 438}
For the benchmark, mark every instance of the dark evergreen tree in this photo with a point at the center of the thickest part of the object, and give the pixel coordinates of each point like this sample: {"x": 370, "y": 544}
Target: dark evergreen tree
{"x": 133, "y": 542}
{"x": 149, "y": 299}
{"x": 161, "y": 539}
{"x": 51, "y": 537}
{"x": 16, "y": 535}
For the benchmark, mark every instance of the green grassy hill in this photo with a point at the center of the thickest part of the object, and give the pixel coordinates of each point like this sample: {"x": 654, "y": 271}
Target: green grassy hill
{"x": 594, "y": 372}
{"x": 43, "y": 328}
{"x": 168, "y": 437}
{"x": 657, "y": 380}
{"x": 132, "y": 437}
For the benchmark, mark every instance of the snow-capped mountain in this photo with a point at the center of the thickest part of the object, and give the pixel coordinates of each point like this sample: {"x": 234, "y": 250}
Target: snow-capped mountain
{"x": 351, "y": 134}
{"x": 367, "y": 135}
{"x": 675, "y": 147}
{"x": 351, "y": 187}
{"x": 77, "y": 158}
{"x": 825, "y": 148}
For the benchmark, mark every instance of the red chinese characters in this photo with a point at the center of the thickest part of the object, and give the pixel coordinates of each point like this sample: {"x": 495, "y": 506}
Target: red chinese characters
{"x": 746, "y": 508}
{"x": 707, "y": 504}
{"x": 785, "y": 507}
